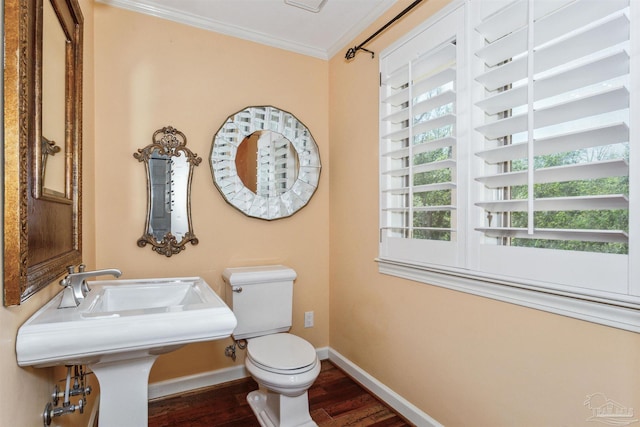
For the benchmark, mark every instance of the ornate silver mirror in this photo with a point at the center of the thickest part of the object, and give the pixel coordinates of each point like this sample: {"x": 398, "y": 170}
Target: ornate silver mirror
{"x": 169, "y": 164}
{"x": 265, "y": 162}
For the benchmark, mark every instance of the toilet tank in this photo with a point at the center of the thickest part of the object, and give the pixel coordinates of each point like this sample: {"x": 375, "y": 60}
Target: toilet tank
{"x": 261, "y": 298}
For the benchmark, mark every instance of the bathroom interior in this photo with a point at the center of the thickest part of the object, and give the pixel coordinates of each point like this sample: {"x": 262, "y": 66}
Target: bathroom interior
{"x": 436, "y": 355}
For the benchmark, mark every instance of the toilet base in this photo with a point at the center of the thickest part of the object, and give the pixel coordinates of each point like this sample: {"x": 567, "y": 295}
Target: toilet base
{"x": 275, "y": 410}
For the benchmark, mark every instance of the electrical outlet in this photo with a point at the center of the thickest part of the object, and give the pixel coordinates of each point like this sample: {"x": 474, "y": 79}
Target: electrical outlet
{"x": 308, "y": 319}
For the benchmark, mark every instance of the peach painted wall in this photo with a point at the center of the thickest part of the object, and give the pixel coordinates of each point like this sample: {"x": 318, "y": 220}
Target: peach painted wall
{"x": 152, "y": 73}
{"x": 462, "y": 359}
{"x": 25, "y": 391}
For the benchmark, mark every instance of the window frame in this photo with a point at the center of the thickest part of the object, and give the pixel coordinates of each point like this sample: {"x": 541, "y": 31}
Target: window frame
{"x": 602, "y": 307}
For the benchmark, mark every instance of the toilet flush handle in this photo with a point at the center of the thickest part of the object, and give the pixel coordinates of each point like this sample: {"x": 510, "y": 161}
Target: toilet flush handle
{"x": 237, "y": 289}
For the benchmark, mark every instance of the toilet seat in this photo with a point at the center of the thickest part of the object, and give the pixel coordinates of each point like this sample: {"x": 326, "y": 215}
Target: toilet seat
{"x": 282, "y": 353}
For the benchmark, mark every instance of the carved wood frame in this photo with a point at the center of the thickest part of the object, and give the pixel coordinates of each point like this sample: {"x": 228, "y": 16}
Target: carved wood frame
{"x": 32, "y": 259}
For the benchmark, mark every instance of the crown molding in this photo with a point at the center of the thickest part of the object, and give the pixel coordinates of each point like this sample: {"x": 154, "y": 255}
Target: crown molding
{"x": 347, "y": 38}
{"x": 216, "y": 26}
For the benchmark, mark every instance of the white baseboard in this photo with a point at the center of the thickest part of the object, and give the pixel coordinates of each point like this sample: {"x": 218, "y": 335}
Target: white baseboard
{"x": 194, "y": 382}
{"x": 384, "y": 393}
{"x": 220, "y": 376}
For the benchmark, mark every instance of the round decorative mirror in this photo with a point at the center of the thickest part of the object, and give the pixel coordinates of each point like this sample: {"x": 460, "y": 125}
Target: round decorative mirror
{"x": 265, "y": 162}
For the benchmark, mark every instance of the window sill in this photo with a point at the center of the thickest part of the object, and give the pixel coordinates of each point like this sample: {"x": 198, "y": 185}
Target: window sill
{"x": 600, "y": 312}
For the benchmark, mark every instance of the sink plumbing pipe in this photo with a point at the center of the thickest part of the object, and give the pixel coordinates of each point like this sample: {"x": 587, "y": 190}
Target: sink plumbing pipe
{"x": 51, "y": 410}
{"x": 230, "y": 351}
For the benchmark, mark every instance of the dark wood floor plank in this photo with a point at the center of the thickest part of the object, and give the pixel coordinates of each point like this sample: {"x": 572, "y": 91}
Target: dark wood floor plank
{"x": 335, "y": 400}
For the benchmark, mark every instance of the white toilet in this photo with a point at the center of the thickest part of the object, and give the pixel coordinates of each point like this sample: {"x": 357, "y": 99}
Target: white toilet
{"x": 283, "y": 365}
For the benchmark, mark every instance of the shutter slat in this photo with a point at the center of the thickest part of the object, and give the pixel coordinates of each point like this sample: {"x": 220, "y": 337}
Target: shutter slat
{"x": 606, "y": 202}
{"x": 505, "y": 48}
{"x": 406, "y": 229}
{"x": 610, "y": 134}
{"x": 421, "y": 188}
{"x": 577, "y": 172}
{"x": 578, "y": 14}
{"x": 427, "y": 65}
{"x": 397, "y": 117}
{"x": 505, "y": 21}
{"x": 396, "y": 191}
{"x": 505, "y": 153}
{"x": 441, "y": 99}
{"x": 442, "y": 121}
{"x": 503, "y": 75}
{"x": 560, "y": 22}
{"x": 397, "y": 78}
{"x": 514, "y": 16}
{"x": 599, "y": 70}
{"x": 435, "y": 144}
{"x": 439, "y": 79}
{"x": 397, "y": 135}
{"x": 434, "y": 187}
{"x": 503, "y": 101}
{"x": 421, "y": 209}
{"x": 425, "y": 126}
{"x": 599, "y": 103}
{"x": 433, "y": 166}
{"x": 606, "y": 68}
{"x": 424, "y": 147}
{"x": 605, "y": 236}
{"x": 397, "y": 154}
{"x": 433, "y": 62}
{"x": 397, "y": 98}
{"x": 609, "y": 33}
{"x": 397, "y": 172}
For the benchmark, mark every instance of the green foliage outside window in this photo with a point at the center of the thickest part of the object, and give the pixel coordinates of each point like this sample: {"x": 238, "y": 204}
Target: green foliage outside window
{"x": 615, "y": 219}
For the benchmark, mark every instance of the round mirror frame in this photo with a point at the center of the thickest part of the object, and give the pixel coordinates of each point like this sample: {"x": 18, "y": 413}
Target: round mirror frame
{"x": 232, "y": 133}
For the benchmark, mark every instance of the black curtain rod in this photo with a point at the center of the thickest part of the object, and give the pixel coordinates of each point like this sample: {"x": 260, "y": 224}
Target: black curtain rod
{"x": 351, "y": 53}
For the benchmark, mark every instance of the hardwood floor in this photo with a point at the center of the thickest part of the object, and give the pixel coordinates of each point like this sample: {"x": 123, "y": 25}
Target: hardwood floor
{"x": 335, "y": 400}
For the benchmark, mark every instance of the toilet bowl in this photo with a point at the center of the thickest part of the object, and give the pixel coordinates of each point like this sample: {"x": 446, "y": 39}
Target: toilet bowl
{"x": 284, "y": 365}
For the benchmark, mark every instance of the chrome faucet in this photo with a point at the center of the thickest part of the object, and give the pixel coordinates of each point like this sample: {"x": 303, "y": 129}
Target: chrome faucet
{"x": 75, "y": 284}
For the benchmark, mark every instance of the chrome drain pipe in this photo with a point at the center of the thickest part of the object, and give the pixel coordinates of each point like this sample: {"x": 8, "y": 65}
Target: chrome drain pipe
{"x": 52, "y": 410}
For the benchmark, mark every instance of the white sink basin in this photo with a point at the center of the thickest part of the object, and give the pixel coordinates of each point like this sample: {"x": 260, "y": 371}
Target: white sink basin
{"x": 145, "y": 298}
{"x": 118, "y": 330}
{"x": 124, "y": 316}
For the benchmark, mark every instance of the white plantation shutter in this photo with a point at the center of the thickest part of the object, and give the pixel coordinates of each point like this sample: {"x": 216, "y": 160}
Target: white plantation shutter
{"x": 419, "y": 93}
{"x": 555, "y": 97}
{"x": 508, "y": 155}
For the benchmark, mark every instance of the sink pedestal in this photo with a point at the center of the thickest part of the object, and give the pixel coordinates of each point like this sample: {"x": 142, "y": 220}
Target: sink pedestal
{"x": 124, "y": 391}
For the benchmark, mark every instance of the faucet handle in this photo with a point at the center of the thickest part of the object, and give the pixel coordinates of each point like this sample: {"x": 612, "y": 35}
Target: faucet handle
{"x": 70, "y": 269}
{"x": 69, "y": 299}
{"x": 81, "y": 268}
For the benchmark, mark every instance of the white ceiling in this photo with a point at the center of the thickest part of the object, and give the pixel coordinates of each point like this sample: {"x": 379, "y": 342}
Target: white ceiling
{"x": 271, "y": 22}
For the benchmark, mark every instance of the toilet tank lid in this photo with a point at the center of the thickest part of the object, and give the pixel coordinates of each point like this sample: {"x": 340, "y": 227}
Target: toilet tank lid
{"x": 258, "y": 274}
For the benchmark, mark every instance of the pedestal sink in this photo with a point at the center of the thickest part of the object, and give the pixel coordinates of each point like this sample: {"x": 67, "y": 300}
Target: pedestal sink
{"x": 119, "y": 330}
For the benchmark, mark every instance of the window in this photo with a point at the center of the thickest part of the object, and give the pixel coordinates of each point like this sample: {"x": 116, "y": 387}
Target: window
{"x": 421, "y": 92}
{"x": 506, "y": 155}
